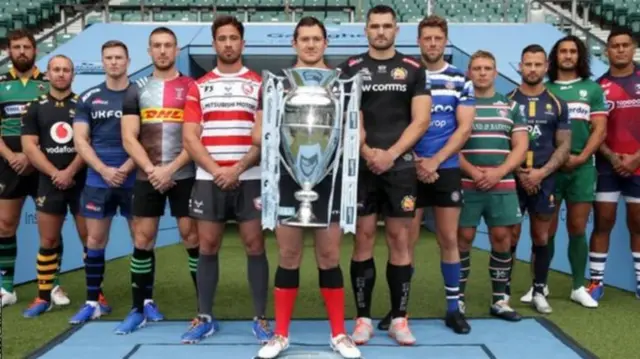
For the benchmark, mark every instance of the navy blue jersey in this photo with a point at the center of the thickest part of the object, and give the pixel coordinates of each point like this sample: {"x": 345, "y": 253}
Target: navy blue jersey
{"x": 101, "y": 109}
{"x": 545, "y": 114}
{"x": 449, "y": 89}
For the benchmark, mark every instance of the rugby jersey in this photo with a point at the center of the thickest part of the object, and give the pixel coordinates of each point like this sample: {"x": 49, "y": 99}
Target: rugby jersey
{"x": 225, "y": 106}
{"x": 497, "y": 118}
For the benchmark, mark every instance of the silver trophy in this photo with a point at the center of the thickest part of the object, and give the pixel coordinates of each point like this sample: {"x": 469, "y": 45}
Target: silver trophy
{"x": 305, "y": 130}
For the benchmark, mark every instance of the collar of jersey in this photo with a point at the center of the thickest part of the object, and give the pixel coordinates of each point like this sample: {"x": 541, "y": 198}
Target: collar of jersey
{"x": 34, "y": 74}
{"x": 443, "y": 69}
{"x": 568, "y": 82}
{"x": 242, "y": 71}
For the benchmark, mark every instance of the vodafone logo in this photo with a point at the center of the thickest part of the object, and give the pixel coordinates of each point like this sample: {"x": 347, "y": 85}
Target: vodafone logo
{"x": 61, "y": 132}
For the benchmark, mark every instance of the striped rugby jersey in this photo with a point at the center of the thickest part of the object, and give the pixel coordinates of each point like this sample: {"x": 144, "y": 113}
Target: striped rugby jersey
{"x": 497, "y": 118}
{"x": 225, "y": 105}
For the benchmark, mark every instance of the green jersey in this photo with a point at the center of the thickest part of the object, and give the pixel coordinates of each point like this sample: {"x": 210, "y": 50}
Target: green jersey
{"x": 497, "y": 119}
{"x": 585, "y": 99}
{"x": 15, "y": 94}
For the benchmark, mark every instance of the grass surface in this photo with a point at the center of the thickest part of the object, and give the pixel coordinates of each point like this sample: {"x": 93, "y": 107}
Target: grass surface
{"x": 610, "y": 331}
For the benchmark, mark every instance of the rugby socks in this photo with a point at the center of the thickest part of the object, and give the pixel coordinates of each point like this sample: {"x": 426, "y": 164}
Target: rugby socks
{"x": 193, "y": 254}
{"x": 208, "y": 275}
{"x": 141, "y": 276}
{"x": 540, "y": 268}
{"x": 507, "y": 290}
{"x": 499, "y": 267}
{"x": 258, "y": 278}
{"x": 332, "y": 289}
{"x": 399, "y": 281}
{"x": 465, "y": 270}
{"x": 597, "y": 263}
{"x": 56, "y": 280}
{"x": 8, "y": 254}
{"x": 285, "y": 293}
{"x": 578, "y": 253}
{"x": 363, "y": 280}
{"x": 47, "y": 266}
{"x": 551, "y": 243}
{"x": 636, "y": 267}
{"x": 94, "y": 270}
{"x": 451, "y": 276}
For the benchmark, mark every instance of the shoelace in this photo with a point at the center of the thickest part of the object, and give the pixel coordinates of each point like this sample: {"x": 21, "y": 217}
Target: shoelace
{"x": 362, "y": 325}
{"x": 277, "y": 340}
{"x": 264, "y": 324}
{"x": 61, "y": 291}
{"x": 592, "y": 286}
{"x": 346, "y": 341}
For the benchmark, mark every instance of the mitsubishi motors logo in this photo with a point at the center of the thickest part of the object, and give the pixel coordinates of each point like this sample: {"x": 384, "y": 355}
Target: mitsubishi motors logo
{"x": 61, "y": 132}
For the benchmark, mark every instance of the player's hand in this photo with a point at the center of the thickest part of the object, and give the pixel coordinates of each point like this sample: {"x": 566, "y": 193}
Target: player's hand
{"x": 226, "y": 177}
{"x": 525, "y": 182}
{"x": 629, "y": 163}
{"x": 160, "y": 178}
{"x": 431, "y": 178}
{"x": 491, "y": 178}
{"x": 426, "y": 167}
{"x": 618, "y": 167}
{"x": 381, "y": 162}
{"x": 19, "y": 163}
{"x": 63, "y": 179}
{"x": 477, "y": 175}
{"x": 572, "y": 163}
{"x": 113, "y": 176}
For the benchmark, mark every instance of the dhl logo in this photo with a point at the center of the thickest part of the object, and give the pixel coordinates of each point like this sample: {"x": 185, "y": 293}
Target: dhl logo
{"x": 155, "y": 115}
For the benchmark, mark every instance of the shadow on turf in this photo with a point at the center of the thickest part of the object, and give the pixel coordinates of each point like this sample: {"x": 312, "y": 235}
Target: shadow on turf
{"x": 558, "y": 333}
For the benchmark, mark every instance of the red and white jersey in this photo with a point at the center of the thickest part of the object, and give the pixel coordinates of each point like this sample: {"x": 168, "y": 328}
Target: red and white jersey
{"x": 225, "y": 105}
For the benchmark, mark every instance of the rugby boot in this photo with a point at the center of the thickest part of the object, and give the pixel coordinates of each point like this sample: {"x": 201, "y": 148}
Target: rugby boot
{"x": 457, "y": 322}
{"x": 596, "y": 290}
{"x": 274, "y": 347}
{"x": 261, "y": 330}
{"x": 582, "y": 297}
{"x": 134, "y": 321}
{"x": 59, "y": 297}
{"x": 502, "y": 310}
{"x": 400, "y": 331}
{"x": 202, "y": 327}
{"x": 104, "y": 306}
{"x": 528, "y": 296}
{"x": 345, "y": 346}
{"x": 363, "y": 331}
{"x": 38, "y": 307}
{"x": 151, "y": 311}
{"x": 540, "y": 303}
{"x": 8, "y": 298}
{"x": 89, "y": 311}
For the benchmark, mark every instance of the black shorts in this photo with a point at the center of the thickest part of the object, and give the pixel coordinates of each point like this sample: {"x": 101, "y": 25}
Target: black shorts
{"x": 52, "y": 200}
{"x": 14, "y": 186}
{"x": 289, "y": 205}
{"x": 446, "y": 191}
{"x": 391, "y": 194}
{"x": 210, "y": 203}
{"x": 542, "y": 202}
{"x": 148, "y": 202}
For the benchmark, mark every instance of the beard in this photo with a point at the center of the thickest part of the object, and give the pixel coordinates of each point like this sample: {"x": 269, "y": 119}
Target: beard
{"x": 164, "y": 67}
{"x": 383, "y": 47}
{"x": 229, "y": 60}
{"x": 432, "y": 60}
{"x": 533, "y": 82}
{"x": 22, "y": 63}
{"x": 61, "y": 88}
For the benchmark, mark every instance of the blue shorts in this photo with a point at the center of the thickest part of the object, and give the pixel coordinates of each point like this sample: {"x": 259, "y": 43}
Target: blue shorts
{"x": 542, "y": 202}
{"x": 99, "y": 202}
{"x": 611, "y": 185}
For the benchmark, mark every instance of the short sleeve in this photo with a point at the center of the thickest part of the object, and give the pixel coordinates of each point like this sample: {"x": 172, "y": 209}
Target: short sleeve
{"x": 563, "y": 116}
{"x": 130, "y": 105}
{"x": 467, "y": 97}
{"x": 598, "y": 102}
{"x": 422, "y": 84}
{"x": 30, "y": 120}
{"x": 192, "y": 107}
{"x": 82, "y": 110}
{"x": 519, "y": 123}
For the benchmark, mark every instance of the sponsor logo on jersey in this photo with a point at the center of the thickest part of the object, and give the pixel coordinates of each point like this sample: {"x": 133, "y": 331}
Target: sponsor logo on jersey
{"x": 99, "y": 101}
{"x": 15, "y": 110}
{"x": 399, "y": 73}
{"x": 61, "y": 133}
{"x": 162, "y": 115}
{"x": 365, "y": 73}
{"x": 86, "y": 96}
{"x": 438, "y": 123}
{"x": 384, "y": 87}
{"x": 583, "y": 94}
{"x": 624, "y": 104}
{"x": 354, "y": 62}
{"x": 441, "y": 108}
{"x": 611, "y": 105}
{"x": 579, "y": 110}
{"x": 103, "y": 114}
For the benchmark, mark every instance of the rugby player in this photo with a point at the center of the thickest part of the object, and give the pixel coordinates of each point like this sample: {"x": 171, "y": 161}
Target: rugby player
{"x": 110, "y": 177}
{"x": 310, "y": 43}
{"x": 47, "y": 140}
{"x": 219, "y": 115}
{"x": 151, "y": 124}
{"x": 618, "y": 161}
{"x": 437, "y": 164}
{"x": 549, "y": 144}
{"x": 18, "y": 179}
{"x": 497, "y": 146}
{"x": 396, "y": 105}
{"x": 569, "y": 79}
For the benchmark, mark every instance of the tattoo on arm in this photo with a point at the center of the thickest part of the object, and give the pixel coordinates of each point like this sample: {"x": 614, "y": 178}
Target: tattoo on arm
{"x": 562, "y": 152}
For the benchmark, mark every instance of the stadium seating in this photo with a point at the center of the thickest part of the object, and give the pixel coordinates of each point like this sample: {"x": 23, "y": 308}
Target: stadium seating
{"x": 615, "y": 13}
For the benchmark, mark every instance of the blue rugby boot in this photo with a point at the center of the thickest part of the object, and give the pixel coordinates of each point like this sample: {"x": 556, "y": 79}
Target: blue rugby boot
{"x": 134, "y": 321}
{"x": 152, "y": 312}
{"x": 202, "y": 327}
{"x": 262, "y": 330}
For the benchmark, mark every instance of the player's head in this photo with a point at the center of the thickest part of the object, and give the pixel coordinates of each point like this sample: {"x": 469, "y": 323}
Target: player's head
{"x": 621, "y": 47}
{"x": 569, "y": 54}
{"x": 115, "y": 58}
{"x": 382, "y": 27}
{"x": 533, "y": 64}
{"x": 60, "y": 72}
{"x": 163, "y": 48}
{"x": 310, "y": 40}
{"x": 433, "y": 32}
{"x": 22, "y": 50}
{"x": 482, "y": 70}
{"x": 228, "y": 39}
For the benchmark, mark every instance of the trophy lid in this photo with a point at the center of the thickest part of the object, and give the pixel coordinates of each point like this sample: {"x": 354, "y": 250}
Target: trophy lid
{"x": 311, "y": 76}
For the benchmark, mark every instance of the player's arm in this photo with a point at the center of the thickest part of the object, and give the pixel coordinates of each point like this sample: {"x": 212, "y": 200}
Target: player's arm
{"x": 465, "y": 114}
{"x": 420, "y": 116}
{"x": 563, "y": 142}
{"x": 82, "y": 138}
{"x": 598, "y": 125}
{"x": 128, "y": 166}
{"x": 467, "y": 167}
{"x": 192, "y": 130}
{"x": 519, "y": 143}
{"x": 30, "y": 140}
{"x": 130, "y": 127}
{"x": 76, "y": 165}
